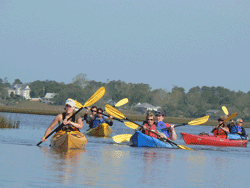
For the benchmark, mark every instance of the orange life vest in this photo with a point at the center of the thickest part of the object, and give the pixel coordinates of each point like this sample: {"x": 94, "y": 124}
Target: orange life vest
{"x": 219, "y": 132}
{"x": 152, "y": 128}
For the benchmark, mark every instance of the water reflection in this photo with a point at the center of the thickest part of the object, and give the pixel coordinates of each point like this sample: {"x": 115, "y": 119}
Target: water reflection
{"x": 155, "y": 163}
{"x": 62, "y": 165}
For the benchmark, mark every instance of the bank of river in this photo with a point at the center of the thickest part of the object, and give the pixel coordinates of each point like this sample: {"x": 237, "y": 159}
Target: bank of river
{"x": 39, "y": 108}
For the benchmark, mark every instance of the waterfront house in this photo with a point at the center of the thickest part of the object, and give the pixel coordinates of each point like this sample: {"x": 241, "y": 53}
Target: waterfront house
{"x": 21, "y": 90}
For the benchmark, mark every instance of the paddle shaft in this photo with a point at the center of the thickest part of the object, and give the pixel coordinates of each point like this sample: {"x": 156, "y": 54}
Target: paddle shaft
{"x": 60, "y": 126}
{"x": 180, "y": 125}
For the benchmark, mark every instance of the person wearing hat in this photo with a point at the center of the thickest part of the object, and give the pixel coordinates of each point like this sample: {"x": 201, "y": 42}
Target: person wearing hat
{"x": 221, "y": 130}
{"x": 166, "y": 128}
{"x": 75, "y": 123}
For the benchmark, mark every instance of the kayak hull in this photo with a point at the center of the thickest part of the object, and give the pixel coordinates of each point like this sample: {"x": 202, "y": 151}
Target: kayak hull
{"x": 138, "y": 139}
{"x": 212, "y": 140}
{"x": 66, "y": 140}
{"x": 102, "y": 130}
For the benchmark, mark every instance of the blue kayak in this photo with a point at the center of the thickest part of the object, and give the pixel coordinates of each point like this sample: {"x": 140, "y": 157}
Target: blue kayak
{"x": 236, "y": 137}
{"x": 141, "y": 140}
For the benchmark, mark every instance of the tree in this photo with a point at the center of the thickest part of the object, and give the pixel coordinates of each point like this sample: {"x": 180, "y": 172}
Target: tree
{"x": 17, "y": 81}
{"x": 80, "y": 80}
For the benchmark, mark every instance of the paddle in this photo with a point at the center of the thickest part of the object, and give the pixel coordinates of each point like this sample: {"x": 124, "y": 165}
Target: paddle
{"x": 93, "y": 99}
{"x": 114, "y": 112}
{"x": 122, "y": 138}
{"x": 225, "y": 110}
{"x": 121, "y": 102}
{"x": 231, "y": 117}
{"x": 197, "y": 121}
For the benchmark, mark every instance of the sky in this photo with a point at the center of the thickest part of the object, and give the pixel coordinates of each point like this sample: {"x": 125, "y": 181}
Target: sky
{"x": 162, "y": 43}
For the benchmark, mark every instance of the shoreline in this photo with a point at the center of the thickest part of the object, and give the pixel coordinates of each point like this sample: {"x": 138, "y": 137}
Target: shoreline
{"x": 51, "y": 110}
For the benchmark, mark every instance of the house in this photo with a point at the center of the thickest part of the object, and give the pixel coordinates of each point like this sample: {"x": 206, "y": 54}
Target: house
{"x": 48, "y": 97}
{"x": 212, "y": 112}
{"x": 144, "y": 107}
{"x": 21, "y": 90}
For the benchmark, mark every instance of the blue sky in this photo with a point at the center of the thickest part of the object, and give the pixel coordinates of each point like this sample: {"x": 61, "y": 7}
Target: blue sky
{"x": 160, "y": 43}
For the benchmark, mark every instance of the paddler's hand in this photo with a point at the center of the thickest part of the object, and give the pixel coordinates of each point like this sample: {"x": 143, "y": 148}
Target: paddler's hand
{"x": 172, "y": 127}
{"x": 88, "y": 109}
{"x": 43, "y": 139}
{"x": 66, "y": 122}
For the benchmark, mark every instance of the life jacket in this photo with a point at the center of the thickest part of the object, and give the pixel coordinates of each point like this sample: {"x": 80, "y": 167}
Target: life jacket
{"x": 219, "y": 132}
{"x": 152, "y": 128}
{"x": 69, "y": 127}
{"x": 235, "y": 129}
{"x": 164, "y": 127}
{"x": 96, "y": 122}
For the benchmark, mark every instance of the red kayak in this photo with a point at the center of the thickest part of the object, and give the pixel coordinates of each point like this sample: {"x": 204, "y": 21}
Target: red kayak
{"x": 211, "y": 140}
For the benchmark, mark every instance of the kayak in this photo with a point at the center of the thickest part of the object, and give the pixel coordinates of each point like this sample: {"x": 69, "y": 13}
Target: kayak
{"x": 211, "y": 140}
{"x": 102, "y": 130}
{"x": 138, "y": 139}
{"x": 68, "y": 140}
{"x": 236, "y": 137}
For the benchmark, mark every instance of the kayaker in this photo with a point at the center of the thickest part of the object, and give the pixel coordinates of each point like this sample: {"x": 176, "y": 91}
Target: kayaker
{"x": 238, "y": 129}
{"x": 98, "y": 119}
{"x": 150, "y": 124}
{"x": 166, "y": 128}
{"x": 75, "y": 123}
{"x": 221, "y": 130}
{"x": 92, "y": 116}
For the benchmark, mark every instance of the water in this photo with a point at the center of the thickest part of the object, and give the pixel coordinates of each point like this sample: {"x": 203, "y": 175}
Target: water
{"x": 106, "y": 164}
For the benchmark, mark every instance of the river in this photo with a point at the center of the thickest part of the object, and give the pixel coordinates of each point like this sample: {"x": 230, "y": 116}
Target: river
{"x": 104, "y": 163}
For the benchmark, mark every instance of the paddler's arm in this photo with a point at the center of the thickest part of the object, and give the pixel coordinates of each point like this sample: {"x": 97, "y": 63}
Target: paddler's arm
{"x": 109, "y": 121}
{"x": 51, "y": 127}
{"x": 173, "y": 135}
{"x": 78, "y": 125}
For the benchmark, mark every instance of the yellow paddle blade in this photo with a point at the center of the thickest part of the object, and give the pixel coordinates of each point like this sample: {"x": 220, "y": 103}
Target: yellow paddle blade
{"x": 78, "y": 105}
{"x": 94, "y": 98}
{"x": 199, "y": 121}
{"x": 225, "y": 110}
{"x": 121, "y": 102}
{"x": 231, "y": 117}
{"x": 114, "y": 112}
{"x": 131, "y": 125}
{"x": 122, "y": 138}
{"x": 183, "y": 147}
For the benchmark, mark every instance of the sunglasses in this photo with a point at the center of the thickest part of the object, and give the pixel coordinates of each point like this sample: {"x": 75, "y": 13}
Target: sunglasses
{"x": 150, "y": 119}
{"x": 241, "y": 122}
{"x": 93, "y": 110}
{"x": 99, "y": 112}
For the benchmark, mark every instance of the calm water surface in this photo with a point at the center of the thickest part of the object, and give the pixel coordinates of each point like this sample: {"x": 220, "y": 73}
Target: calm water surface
{"x": 106, "y": 164}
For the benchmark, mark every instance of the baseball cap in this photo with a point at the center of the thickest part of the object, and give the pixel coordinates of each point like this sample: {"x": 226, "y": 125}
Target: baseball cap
{"x": 159, "y": 112}
{"x": 70, "y": 102}
{"x": 221, "y": 118}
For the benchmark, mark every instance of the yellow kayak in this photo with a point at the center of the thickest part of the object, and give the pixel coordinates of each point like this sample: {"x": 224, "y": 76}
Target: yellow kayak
{"x": 68, "y": 140}
{"x": 102, "y": 130}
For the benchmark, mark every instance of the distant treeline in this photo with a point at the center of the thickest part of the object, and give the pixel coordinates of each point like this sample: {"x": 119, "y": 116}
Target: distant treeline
{"x": 176, "y": 103}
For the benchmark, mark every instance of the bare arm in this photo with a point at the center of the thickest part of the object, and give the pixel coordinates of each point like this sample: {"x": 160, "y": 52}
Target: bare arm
{"x": 51, "y": 127}
{"x": 173, "y": 135}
